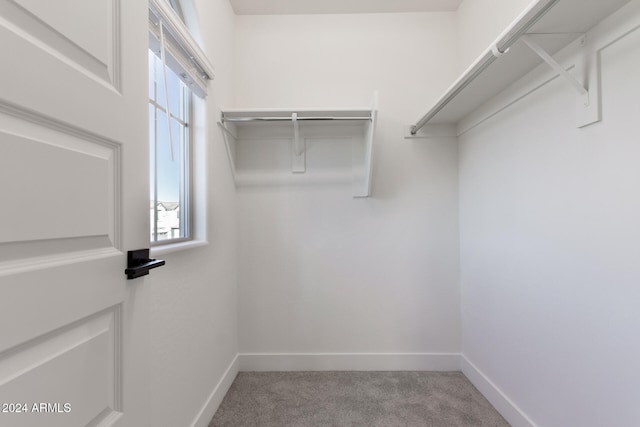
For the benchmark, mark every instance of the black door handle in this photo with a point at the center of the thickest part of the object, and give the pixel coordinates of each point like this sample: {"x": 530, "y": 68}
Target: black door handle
{"x": 139, "y": 263}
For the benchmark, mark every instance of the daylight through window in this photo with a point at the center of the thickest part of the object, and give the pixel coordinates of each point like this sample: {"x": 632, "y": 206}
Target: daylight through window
{"x": 178, "y": 71}
{"x": 169, "y": 205}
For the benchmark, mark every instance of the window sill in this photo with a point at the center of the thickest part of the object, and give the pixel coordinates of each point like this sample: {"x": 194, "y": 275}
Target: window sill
{"x": 176, "y": 247}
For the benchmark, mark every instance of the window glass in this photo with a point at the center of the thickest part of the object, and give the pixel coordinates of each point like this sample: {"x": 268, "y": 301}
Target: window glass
{"x": 152, "y": 77}
{"x": 169, "y": 157}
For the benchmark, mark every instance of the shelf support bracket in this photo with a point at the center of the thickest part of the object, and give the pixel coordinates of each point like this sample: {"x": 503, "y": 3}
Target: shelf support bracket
{"x": 298, "y": 148}
{"x": 588, "y": 105}
{"x": 230, "y": 139}
{"x": 535, "y": 47}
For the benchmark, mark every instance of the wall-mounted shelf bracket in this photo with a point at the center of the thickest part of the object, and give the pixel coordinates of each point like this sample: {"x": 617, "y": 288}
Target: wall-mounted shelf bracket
{"x": 227, "y": 131}
{"x": 298, "y": 148}
{"x": 535, "y": 47}
{"x": 475, "y": 91}
{"x": 230, "y": 139}
{"x": 261, "y": 144}
{"x": 588, "y": 108}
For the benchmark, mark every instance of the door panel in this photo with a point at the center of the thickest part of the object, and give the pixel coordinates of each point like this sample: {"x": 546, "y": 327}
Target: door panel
{"x": 73, "y": 67}
{"x": 83, "y": 35}
{"x": 80, "y": 361}
{"x": 88, "y": 27}
{"x": 74, "y": 185}
{"x": 56, "y": 170}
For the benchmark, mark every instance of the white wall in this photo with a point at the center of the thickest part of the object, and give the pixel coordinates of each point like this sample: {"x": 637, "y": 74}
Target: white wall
{"x": 319, "y": 271}
{"x": 549, "y": 247}
{"x": 547, "y": 221}
{"x": 480, "y": 22}
{"x": 194, "y": 297}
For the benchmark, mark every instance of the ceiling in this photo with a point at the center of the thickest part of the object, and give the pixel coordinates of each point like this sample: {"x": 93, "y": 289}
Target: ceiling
{"x": 312, "y": 7}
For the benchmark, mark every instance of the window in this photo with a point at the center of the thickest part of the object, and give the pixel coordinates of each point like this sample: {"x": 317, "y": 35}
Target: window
{"x": 170, "y": 165}
{"x": 178, "y": 70}
{"x": 175, "y": 5}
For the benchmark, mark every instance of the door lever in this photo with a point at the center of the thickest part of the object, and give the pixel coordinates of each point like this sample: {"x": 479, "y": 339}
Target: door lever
{"x": 139, "y": 263}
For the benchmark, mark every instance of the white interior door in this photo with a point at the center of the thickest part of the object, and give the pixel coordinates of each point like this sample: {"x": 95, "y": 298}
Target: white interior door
{"x": 74, "y": 199}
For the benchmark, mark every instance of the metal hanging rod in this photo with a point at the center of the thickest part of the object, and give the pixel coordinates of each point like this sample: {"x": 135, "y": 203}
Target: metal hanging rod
{"x": 507, "y": 39}
{"x": 289, "y": 119}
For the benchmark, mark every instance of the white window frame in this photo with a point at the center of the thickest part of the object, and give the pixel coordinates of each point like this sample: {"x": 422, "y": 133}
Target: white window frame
{"x": 185, "y": 57}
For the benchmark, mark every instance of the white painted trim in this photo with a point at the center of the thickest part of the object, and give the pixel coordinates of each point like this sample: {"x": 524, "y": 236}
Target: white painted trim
{"x": 349, "y": 361}
{"x": 215, "y": 398}
{"x": 507, "y": 408}
{"x": 161, "y": 250}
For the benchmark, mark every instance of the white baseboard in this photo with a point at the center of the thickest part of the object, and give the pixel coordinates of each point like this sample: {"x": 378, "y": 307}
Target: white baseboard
{"x": 507, "y": 408}
{"x": 349, "y": 361}
{"x": 215, "y": 398}
{"x": 262, "y": 362}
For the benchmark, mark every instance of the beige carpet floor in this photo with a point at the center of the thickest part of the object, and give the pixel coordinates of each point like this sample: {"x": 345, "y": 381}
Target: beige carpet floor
{"x": 367, "y": 399}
